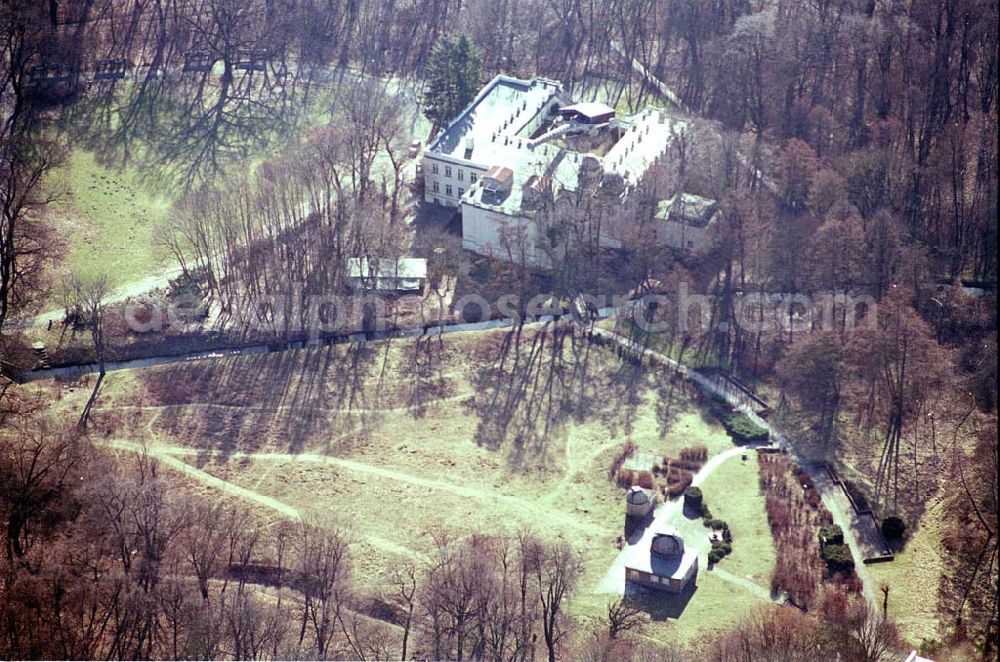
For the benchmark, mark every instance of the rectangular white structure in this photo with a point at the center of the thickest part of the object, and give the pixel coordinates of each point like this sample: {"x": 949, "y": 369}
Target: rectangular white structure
{"x": 522, "y": 148}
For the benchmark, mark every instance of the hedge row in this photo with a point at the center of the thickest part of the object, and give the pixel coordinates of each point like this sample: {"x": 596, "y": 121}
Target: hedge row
{"x": 742, "y": 429}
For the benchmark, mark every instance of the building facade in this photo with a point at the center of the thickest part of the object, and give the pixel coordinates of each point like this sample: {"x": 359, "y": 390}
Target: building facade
{"x": 522, "y": 149}
{"x": 664, "y": 563}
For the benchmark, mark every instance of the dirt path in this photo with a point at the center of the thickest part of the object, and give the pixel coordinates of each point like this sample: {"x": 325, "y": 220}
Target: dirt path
{"x": 839, "y": 517}
{"x": 745, "y": 584}
{"x": 169, "y": 460}
{"x": 533, "y": 511}
{"x": 575, "y": 466}
{"x": 131, "y": 290}
{"x": 665, "y": 515}
{"x": 356, "y": 411}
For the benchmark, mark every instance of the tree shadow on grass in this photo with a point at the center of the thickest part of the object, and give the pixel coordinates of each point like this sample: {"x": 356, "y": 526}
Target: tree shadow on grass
{"x": 176, "y": 132}
{"x": 422, "y": 372}
{"x": 539, "y": 380}
{"x": 690, "y": 513}
{"x": 528, "y": 389}
{"x": 291, "y": 399}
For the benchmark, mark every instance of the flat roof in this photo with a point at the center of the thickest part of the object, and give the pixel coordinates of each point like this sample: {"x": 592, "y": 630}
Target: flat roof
{"x": 686, "y": 208}
{"x": 648, "y": 137}
{"x": 589, "y": 108}
{"x": 488, "y": 134}
{"x": 541, "y": 167}
{"x": 500, "y": 110}
{"x": 404, "y": 267}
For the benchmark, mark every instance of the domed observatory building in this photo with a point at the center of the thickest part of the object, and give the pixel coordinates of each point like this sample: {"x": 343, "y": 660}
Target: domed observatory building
{"x": 637, "y": 503}
{"x": 666, "y": 564}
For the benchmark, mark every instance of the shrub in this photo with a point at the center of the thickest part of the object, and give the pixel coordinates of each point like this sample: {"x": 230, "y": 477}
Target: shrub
{"x": 801, "y": 568}
{"x": 833, "y": 535}
{"x": 675, "y": 488}
{"x": 689, "y": 465}
{"x": 697, "y": 454}
{"x": 718, "y": 524}
{"x": 644, "y": 479}
{"x": 715, "y": 555}
{"x": 723, "y": 547}
{"x": 625, "y": 478}
{"x": 184, "y": 285}
{"x": 893, "y": 527}
{"x": 741, "y": 428}
{"x": 616, "y": 463}
{"x": 679, "y": 482}
{"x": 18, "y": 357}
{"x": 693, "y": 497}
{"x": 838, "y": 557}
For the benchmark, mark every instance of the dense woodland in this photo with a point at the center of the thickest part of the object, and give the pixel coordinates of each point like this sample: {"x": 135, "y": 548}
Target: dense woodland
{"x": 852, "y": 146}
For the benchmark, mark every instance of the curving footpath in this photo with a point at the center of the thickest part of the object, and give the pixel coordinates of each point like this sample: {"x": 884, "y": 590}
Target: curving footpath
{"x": 614, "y": 578}
{"x": 709, "y": 386}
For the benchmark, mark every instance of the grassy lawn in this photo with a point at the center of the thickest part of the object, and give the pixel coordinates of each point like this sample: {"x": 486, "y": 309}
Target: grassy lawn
{"x": 108, "y": 215}
{"x": 107, "y": 218}
{"x": 615, "y": 94}
{"x": 914, "y": 578}
{"x": 399, "y": 439}
{"x": 734, "y": 495}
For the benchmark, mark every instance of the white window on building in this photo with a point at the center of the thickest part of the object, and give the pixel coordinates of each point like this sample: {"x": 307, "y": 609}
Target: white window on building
{"x": 447, "y": 190}
{"x": 437, "y": 201}
{"x": 460, "y": 192}
{"x": 472, "y": 177}
{"x": 461, "y": 175}
{"x": 447, "y": 171}
{"x": 437, "y": 187}
{"x": 434, "y": 168}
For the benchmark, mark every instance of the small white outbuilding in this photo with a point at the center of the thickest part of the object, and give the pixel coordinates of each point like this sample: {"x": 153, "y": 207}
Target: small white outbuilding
{"x": 405, "y": 274}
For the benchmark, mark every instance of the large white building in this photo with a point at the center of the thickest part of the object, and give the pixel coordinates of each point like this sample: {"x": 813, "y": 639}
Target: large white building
{"x": 521, "y": 146}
